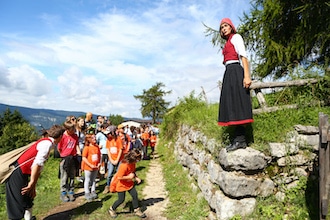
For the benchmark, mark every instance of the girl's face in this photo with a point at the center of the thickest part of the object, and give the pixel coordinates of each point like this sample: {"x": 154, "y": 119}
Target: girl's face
{"x": 225, "y": 29}
{"x": 81, "y": 122}
{"x": 93, "y": 139}
{"x": 110, "y": 136}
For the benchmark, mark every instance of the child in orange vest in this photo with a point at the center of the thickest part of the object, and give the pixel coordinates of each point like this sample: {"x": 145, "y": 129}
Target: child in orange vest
{"x": 145, "y": 141}
{"x": 153, "y": 141}
{"x": 124, "y": 180}
{"x": 91, "y": 161}
{"x": 115, "y": 148}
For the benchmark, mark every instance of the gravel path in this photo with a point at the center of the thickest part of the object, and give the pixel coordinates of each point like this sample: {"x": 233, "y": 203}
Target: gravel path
{"x": 154, "y": 193}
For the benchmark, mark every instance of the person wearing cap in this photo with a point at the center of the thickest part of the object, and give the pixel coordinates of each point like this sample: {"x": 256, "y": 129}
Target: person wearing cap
{"x": 235, "y": 107}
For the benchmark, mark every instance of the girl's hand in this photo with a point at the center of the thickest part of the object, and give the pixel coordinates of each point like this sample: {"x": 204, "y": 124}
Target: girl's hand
{"x": 29, "y": 190}
{"x": 247, "y": 82}
{"x": 138, "y": 180}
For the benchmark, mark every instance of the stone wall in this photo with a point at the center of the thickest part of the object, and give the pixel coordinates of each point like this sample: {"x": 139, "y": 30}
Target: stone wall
{"x": 231, "y": 182}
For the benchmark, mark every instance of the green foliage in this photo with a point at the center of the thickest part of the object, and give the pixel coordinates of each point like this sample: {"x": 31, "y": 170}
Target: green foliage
{"x": 299, "y": 203}
{"x": 152, "y": 102}
{"x": 16, "y": 135}
{"x": 3, "y": 212}
{"x": 184, "y": 204}
{"x": 190, "y": 110}
{"x": 271, "y": 127}
{"x": 15, "y": 131}
{"x": 9, "y": 117}
{"x": 316, "y": 94}
{"x": 116, "y": 119}
{"x": 283, "y": 33}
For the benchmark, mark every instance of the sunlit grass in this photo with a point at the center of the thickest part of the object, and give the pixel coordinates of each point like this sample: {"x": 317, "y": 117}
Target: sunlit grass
{"x": 184, "y": 201}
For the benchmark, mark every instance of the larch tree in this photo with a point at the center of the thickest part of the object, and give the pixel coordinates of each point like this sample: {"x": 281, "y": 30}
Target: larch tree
{"x": 153, "y": 104}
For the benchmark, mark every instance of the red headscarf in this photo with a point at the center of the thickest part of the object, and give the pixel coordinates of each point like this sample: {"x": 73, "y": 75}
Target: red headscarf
{"x": 228, "y": 21}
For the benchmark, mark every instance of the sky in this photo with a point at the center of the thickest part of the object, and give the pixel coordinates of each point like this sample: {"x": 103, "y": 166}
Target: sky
{"x": 95, "y": 55}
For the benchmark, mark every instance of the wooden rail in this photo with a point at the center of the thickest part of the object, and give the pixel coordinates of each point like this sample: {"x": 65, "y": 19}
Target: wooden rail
{"x": 324, "y": 163}
{"x": 256, "y": 86}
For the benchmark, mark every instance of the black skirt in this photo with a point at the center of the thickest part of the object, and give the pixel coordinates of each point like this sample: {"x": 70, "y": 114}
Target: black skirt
{"x": 16, "y": 202}
{"x": 235, "y": 106}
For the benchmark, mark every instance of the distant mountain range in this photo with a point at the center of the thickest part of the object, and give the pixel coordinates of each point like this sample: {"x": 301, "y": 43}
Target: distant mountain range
{"x": 45, "y": 118}
{"x": 41, "y": 118}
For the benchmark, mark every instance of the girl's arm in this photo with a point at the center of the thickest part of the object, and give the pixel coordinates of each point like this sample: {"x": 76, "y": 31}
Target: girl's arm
{"x": 78, "y": 150}
{"x": 247, "y": 78}
{"x": 127, "y": 177}
{"x": 88, "y": 163}
{"x": 30, "y": 189}
{"x": 119, "y": 156}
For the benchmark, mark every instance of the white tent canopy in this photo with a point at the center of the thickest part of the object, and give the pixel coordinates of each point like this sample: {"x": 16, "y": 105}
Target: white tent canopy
{"x": 130, "y": 123}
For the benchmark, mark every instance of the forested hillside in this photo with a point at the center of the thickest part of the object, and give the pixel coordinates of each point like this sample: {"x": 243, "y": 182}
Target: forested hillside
{"x": 41, "y": 117}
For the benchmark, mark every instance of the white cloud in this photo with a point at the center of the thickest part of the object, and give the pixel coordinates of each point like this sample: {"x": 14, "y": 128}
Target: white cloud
{"x": 28, "y": 80}
{"x": 4, "y": 82}
{"x": 107, "y": 58}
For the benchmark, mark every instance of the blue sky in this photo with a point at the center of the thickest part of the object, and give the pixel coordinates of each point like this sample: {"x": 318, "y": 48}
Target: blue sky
{"x": 95, "y": 55}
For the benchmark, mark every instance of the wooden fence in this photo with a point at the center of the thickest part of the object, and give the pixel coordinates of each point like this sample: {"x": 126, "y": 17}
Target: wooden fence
{"x": 324, "y": 163}
{"x": 258, "y": 86}
{"x": 324, "y": 134}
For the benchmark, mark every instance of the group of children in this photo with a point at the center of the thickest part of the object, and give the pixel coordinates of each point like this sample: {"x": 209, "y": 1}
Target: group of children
{"x": 103, "y": 150}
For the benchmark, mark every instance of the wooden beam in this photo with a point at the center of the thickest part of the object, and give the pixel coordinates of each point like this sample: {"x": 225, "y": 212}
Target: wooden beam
{"x": 273, "y": 109}
{"x": 265, "y": 85}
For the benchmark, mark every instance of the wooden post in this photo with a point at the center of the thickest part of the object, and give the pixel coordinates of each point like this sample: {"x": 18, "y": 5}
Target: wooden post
{"x": 261, "y": 98}
{"x": 204, "y": 94}
{"x": 324, "y": 157}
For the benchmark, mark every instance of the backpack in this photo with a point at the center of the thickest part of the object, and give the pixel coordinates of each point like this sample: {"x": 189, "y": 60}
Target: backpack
{"x": 8, "y": 159}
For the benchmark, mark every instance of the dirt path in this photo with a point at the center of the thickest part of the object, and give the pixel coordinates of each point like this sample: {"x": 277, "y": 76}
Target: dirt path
{"x": 154, "y": 194}
{"x": 154, "y": 197}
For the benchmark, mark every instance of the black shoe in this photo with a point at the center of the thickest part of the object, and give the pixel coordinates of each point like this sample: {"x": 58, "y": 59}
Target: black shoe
{"x": 236, "y": 145}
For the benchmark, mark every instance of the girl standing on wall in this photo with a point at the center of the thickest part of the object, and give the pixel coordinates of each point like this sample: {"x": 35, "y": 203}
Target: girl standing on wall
{"x": 235, "y": 103}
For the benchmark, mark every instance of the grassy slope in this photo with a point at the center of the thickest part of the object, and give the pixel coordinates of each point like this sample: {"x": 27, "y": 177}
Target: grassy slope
{"x": 301, "y": 201}
{"x": 183, "y": 200}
